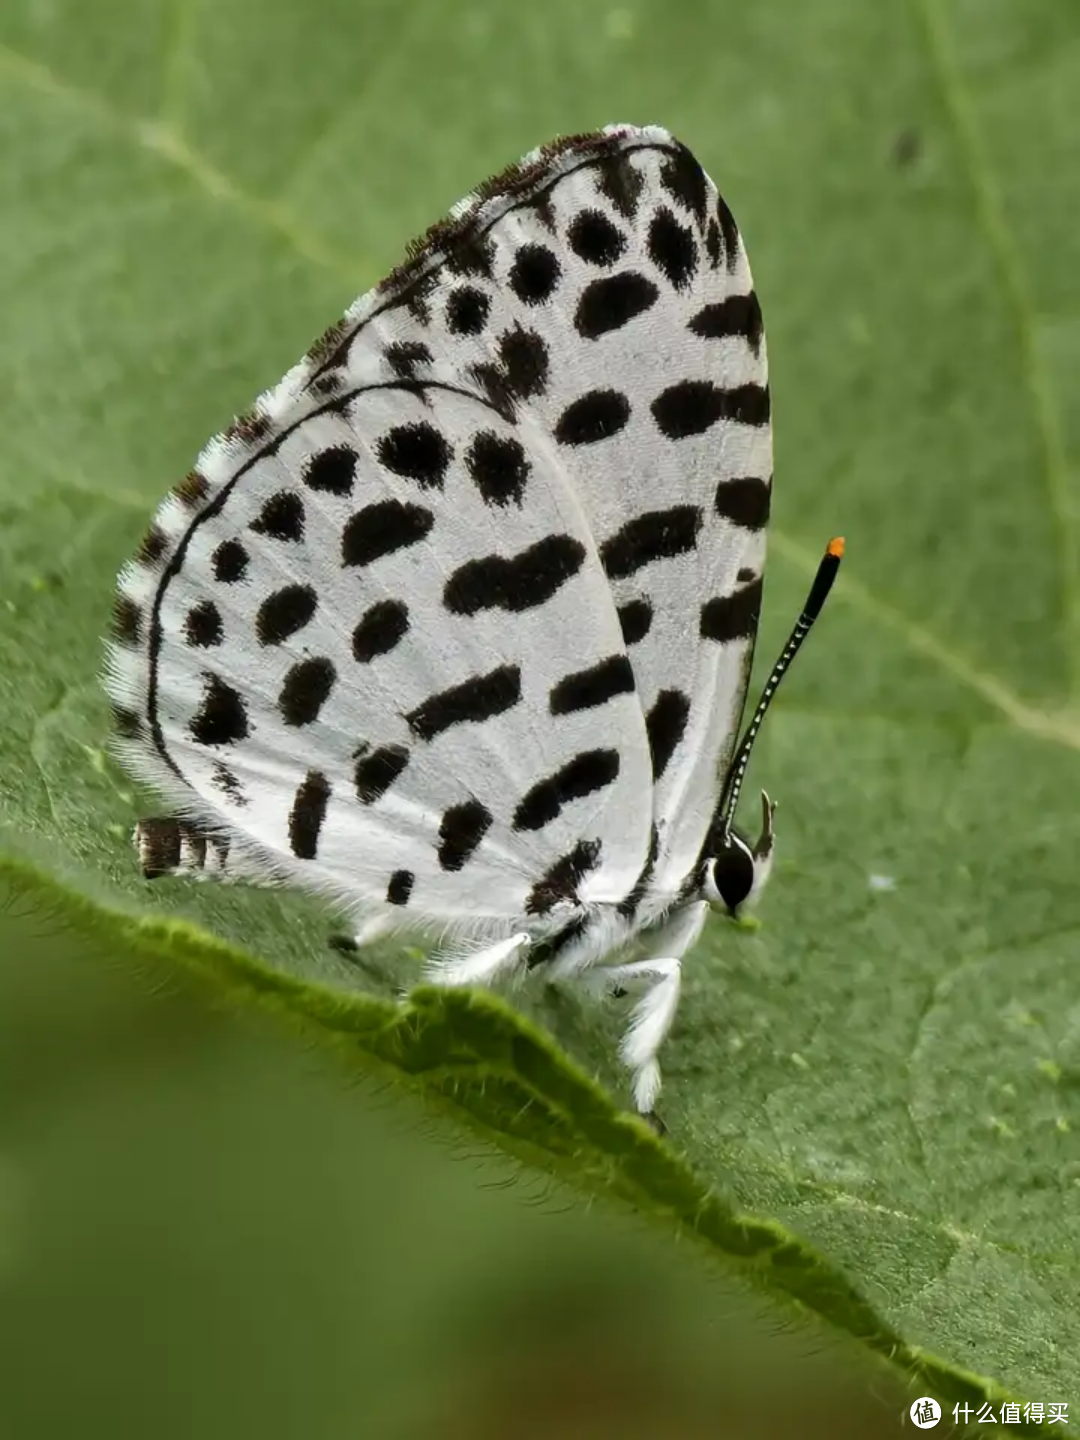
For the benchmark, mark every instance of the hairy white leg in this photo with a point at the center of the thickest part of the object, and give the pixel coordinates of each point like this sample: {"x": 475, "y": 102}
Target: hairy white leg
{"x": 372, "y": 929}
{"x": 650, "y": 1022}
{"x": 480, "y": 967}
{"x": 655, "y": 1011}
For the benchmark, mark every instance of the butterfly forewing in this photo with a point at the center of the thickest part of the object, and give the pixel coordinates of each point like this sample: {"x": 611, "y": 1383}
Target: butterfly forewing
{"x": 608, "y": 294}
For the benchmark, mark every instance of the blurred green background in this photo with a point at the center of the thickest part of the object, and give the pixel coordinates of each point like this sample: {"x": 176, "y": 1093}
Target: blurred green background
{"x": 205, "y": 1228}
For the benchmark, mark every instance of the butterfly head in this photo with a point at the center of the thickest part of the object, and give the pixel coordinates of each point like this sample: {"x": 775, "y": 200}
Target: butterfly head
{"x": 735, "y": 876}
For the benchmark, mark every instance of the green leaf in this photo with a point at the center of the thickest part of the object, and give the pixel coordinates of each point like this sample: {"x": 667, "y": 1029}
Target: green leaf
{"x": 873, "y": 1099}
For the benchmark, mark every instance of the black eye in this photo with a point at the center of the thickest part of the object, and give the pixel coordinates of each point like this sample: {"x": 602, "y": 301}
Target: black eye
{"x": 733, "y": 875}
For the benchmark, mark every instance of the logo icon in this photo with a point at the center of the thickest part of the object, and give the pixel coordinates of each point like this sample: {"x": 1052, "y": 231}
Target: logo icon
{"x": 925, "y": 1413}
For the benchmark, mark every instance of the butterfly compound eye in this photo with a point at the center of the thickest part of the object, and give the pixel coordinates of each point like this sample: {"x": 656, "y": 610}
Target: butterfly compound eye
{"x": 733, "y": 874}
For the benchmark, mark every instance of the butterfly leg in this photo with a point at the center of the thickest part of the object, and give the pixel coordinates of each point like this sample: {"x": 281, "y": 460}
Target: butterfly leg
{"x": 655, "y": 1011}
{"x": 478, "y": 967}
{"x": 372, "y": 929}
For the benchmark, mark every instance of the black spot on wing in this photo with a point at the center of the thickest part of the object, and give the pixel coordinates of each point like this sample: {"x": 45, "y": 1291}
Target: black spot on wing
{"x": 382, "y": 528}
{"x": 221, "y": 718}
{"x": 712, "y": 243}
{"x": 734, "y": 616}
{"x": 477, "y": 699}
{"x": 544, "y": 210}
{"x": 665, "y": 724}
{"x": 328, "y": 384}
{"x": 499, "y": 467}
{"x": 417, "y": 451}
{"x": 684, "y": 180}
{"x": 585, "y": 689}
{"x": 284, "y": 612}
{"x": 382, "y": 626}
{"x": 534, "y": 274}
{"x": 585, "y": 773}
{"x": 331, "y": 471}
{"x": 656, "y": 535}
{"x": 202, "y": 625}
{"x": 560, "y": 882}
{"x": 672, "y": 248}
{"x": 690, "y": 407}
{"x": 525, "y": 362}
{"x": 376, "y": 770}
{"x": 620, "y": 182}
{"x": 305, "y": 690}
{"x": 738, "y": 315}
{"x": 521, "y": 374}
{"x": 405, "y": 357}
{"x": 730, "y": 232}
{"x": 467, "y": 310}
{"x": 744, "y": 500}
{"x": 612, "y": 301}
{"x": 517, "y": 583}
{"x": 460, "y": 832}
{"x": 230, "y": 562}
{"x": 596, "y": 415}
{"x": 281, "y": 517}
{"x": 416, "y": 297}
{"x": 307, "y": 815}
{"x": 472, "y": 254}
{"x": 595, "y": 238}
{"x": 496, "y": 387}
{"x": 635, "y": 620}
{"x": 400, "y": 887}
{"x": 228, "y": 782}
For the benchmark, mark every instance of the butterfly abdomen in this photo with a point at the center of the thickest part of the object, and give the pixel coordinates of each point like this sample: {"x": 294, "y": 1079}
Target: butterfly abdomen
{"x": 167, "y": 845}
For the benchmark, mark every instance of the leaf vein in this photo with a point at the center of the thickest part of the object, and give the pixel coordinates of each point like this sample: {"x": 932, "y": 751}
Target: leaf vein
{"x": 169, "y": 146}
{"x": 1059, "y": 728}
{"x": 990, "y": 215}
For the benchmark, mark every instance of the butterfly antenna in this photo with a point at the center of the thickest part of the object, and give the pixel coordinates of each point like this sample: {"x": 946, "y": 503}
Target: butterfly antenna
{"x": 819, "y": 591}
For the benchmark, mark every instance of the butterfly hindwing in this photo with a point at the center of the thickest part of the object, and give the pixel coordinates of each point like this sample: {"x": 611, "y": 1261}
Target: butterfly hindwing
{"x": 380, "y": 649}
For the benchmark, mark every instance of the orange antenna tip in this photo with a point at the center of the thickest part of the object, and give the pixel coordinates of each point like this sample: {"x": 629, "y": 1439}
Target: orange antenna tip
{"x": 835, "y": 547}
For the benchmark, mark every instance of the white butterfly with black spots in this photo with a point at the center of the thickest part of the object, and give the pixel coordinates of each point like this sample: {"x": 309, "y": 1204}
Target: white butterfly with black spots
{"x": 454, "y": 628}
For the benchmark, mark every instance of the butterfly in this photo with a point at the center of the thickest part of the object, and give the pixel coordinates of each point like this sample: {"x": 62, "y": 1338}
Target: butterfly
{"x": 454, "y": 627}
